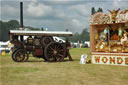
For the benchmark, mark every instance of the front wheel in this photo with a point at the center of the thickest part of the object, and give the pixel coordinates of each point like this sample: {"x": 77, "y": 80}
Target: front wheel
{"x": 20, "y": 56}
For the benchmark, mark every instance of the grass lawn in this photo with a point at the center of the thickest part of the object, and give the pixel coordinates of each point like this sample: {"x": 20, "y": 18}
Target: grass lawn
{"x": 37, "y": 72}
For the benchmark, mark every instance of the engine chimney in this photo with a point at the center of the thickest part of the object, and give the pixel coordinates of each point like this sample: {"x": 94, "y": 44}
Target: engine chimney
{"x": 21, "y": 16}
{"x": 21, "y": 20}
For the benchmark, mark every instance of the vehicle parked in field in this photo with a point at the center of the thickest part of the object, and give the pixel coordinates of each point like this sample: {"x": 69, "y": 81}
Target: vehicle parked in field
{"x": 40, "y": 44}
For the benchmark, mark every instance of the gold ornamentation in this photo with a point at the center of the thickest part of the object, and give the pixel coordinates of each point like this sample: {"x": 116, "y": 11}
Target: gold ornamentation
{"x": 114, "y": 14}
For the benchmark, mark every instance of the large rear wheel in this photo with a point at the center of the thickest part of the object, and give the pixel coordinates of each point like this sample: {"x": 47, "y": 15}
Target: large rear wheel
{"x": 54, "y": 52}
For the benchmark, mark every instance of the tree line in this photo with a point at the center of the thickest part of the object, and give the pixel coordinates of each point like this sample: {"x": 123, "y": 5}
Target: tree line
{"x": 10, "y": 25}
{"x": 5, "y": 27}
{"x": 14, "y": 25}
{"x": 81, "y": 37}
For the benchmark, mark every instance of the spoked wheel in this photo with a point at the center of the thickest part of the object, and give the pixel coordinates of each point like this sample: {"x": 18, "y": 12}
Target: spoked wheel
{"x": 20, "y": 55}
{"x": 13, "y": 52}
{"x": 54, "y": 52}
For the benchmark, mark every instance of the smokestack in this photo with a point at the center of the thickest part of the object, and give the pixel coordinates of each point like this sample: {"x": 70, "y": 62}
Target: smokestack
{"x": 21, "y": 20}
{"x": 21, "y": 16}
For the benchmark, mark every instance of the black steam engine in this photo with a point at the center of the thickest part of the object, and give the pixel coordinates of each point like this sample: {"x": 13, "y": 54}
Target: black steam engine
{"x": 40, "y": 44}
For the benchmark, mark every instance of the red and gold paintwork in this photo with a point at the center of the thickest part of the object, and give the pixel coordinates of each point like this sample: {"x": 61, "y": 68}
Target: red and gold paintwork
{"x": 112, "y": 47}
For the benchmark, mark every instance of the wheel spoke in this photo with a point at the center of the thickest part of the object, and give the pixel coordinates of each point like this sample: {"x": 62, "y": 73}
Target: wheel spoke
{"x": 55, "y": 47}
{"x": 61, "y": 50}
{"x": 58, "y": 46}
{"x": 50, "y": 51}
{"x": 51, "y": 48}
{"x": 60, "y": 54}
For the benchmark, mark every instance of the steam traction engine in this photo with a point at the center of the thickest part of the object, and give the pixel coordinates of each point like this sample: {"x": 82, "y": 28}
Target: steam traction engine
{"x": 40, "y": 44}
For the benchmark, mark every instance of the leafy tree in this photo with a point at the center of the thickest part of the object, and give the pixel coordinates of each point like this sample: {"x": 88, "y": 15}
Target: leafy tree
{"x": 93, "y": 11}
{"x": 1, "y": 23}
{"x": 31, "y": 28}
{"x": 75, "y": 37}
{"x": 4, "y": 31}
{"x": 10, "y": 25}
{"x": 83, "y": 36}
{"x": 99, "y": 10}
{"x": 13, "y": 24}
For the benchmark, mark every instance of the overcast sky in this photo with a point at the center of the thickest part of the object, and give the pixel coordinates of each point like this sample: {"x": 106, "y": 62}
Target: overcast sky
{"x": 57, "y": 15}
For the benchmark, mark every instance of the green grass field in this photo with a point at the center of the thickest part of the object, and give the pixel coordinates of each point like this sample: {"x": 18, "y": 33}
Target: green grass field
{"x": 38, "y": 72}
